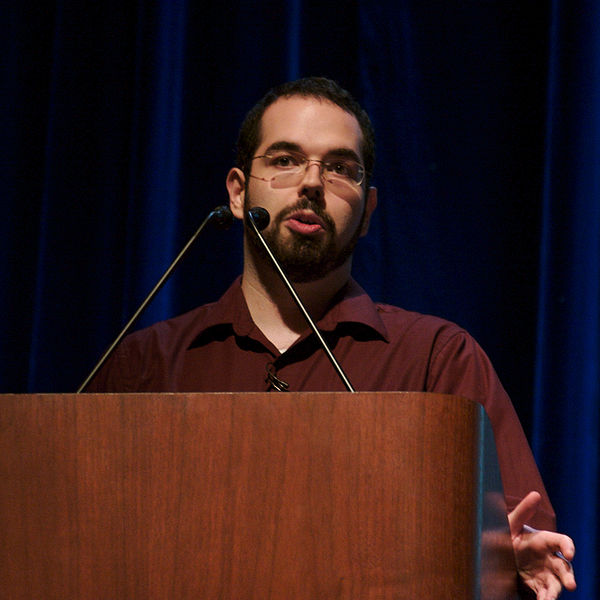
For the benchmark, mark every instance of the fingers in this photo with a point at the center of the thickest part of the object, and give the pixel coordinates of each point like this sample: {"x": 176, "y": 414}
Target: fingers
{"x": 543, "y": 557}
{"x": 558, "y": 571}
{"x": 550, "y": 592}
{"x": 549, "y": 583}
{"x": 563, "y": 569}
{"x": 523, "y": 512}
{"x": 566, "y": 547}
{"x": 559, "y": 545}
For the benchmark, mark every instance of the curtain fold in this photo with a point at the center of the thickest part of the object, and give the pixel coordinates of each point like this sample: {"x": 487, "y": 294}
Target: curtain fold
{"x": 567, "y": 390}
{"x": 156, "y": 140}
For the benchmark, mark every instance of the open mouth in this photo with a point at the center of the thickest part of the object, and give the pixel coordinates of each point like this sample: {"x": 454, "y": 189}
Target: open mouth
{"x": 305, "y": 222}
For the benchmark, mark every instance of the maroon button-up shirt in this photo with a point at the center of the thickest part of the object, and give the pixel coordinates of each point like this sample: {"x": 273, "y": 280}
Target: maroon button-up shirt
{"x": 217, "y": 347}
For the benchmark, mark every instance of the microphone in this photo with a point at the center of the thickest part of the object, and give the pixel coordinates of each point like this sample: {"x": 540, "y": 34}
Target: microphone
{"x": 221, "y": 216}
{"x": 259, "y": 218}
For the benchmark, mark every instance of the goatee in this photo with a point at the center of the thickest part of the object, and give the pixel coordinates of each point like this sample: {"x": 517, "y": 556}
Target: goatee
{"x": 304, "y": 258}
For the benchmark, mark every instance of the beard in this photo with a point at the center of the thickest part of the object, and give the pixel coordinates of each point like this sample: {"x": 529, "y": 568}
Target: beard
{"x": 303, "y": 258}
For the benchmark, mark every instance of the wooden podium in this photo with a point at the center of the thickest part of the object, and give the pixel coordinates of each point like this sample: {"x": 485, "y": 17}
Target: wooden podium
{"x": 261, "y": 496}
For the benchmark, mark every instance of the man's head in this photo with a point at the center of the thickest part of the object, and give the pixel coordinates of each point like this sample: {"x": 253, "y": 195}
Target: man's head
{"x": 249, "y": 137}
{"x": 302, "y": 157}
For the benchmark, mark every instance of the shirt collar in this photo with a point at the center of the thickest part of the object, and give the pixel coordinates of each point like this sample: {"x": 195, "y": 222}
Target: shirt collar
{"x": 351, "y": 305}
{"x": 231, "y": 309}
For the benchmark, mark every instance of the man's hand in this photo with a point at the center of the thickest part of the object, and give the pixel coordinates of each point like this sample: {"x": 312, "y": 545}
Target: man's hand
{"x": 537, "y": 553}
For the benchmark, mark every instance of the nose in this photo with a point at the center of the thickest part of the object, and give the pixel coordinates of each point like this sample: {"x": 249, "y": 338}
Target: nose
{"x": 312, "y": 181}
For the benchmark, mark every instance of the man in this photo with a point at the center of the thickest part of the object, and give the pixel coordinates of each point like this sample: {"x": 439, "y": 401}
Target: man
{"x": 305, "y": 153}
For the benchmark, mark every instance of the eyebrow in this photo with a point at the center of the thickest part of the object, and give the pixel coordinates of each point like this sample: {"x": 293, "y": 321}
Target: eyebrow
{"x": 293, "y": 147}
{"x": 282, "y": 145}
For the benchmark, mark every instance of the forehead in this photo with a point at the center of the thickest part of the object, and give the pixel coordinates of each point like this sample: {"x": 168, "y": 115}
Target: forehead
{"x": 315, "y": 124}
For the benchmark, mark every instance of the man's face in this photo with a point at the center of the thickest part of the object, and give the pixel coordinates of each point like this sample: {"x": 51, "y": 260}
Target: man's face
{"x": 314, "y": 225}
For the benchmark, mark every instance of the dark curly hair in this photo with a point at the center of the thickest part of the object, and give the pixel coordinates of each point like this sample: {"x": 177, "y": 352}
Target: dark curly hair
{"x": 249, "y": 136}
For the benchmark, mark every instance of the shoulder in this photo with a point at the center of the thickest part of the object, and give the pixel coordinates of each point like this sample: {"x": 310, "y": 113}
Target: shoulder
{"x": 145, "y": 359}
{"x": 456, "y": 363}
{"x": 184, "y": 328}
{"x": 170, "y": 333}
{"x": 393, "y": 323}
{"x": 401, "y": 322}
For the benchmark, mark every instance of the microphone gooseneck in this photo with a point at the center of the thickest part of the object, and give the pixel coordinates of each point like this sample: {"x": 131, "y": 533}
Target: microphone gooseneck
{"x": 258, "y": 218}
{"x": 220, "y": 216}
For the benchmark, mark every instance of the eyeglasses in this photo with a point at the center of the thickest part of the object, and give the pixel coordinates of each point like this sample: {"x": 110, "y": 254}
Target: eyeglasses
{"x": 286, "y": 169}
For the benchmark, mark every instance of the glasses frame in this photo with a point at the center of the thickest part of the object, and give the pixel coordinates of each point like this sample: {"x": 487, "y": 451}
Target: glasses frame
{"x": 303, "y": 168}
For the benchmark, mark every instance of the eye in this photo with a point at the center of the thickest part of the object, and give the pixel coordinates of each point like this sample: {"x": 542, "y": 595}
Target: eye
{"x": 283, "y": 160}
{"x": 343, "y": 168}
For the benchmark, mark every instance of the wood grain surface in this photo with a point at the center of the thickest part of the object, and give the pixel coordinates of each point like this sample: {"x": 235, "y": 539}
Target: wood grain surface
{"x": 235, "y": 496}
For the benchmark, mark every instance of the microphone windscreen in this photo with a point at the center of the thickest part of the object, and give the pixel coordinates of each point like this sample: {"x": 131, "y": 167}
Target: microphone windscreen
{"x": 260, "y": 217}
{"x": 222, "y": 217}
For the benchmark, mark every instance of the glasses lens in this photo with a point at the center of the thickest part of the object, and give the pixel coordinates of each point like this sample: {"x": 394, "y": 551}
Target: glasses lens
{"x": 338, "y": 184}
{"x": 286, "y": 169}
{"x": 344, "y": 169}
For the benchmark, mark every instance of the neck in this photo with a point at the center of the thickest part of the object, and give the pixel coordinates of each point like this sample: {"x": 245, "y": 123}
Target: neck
{"x": 271, "y": 306}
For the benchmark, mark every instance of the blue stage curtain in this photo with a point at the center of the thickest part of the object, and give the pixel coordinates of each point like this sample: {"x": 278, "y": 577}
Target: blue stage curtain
{"x": 567, "y": 391}
{"x": 119, "y": 122}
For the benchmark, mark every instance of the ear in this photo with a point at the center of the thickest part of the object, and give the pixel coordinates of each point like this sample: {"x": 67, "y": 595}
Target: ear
{"x": 236, "y": 187}
{"x": 371, "y": 203}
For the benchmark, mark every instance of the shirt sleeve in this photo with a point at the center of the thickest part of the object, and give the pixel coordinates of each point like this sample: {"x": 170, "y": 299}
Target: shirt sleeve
{"x": 459, "y": 366}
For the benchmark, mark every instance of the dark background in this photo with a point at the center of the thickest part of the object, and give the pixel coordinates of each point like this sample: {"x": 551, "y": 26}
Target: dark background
{"x": 119, "y": 121}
